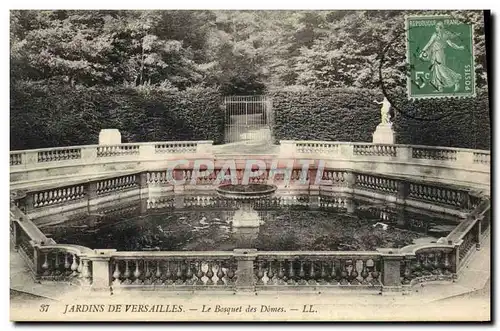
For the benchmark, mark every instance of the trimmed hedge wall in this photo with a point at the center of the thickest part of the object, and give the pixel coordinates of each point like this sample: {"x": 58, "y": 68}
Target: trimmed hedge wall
{"x": 57, "y": 115}
{"x": 352, "y": 115}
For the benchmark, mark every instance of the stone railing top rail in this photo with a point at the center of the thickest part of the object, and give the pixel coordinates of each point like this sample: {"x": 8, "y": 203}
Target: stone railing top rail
{"x": 395, "y": 145}
{"x": 281, "y": 142}
{"x": 247, "y": 252}
{"x": 293, "y": 254}
{"x": 172, "y": 254}
{"x": 414, "y": 249}
{"x": 75, "y": 249}
{"x": 122, "y": 144}
{"x": 463, "y": 228}
{"x": 25, "y": 223}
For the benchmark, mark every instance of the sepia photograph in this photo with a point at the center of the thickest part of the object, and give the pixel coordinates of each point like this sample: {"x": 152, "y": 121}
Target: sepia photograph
{"x": 250, "y": 165}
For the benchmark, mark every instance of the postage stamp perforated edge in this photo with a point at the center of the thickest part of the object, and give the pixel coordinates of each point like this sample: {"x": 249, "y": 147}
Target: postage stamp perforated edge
{"x": 407, "y": 53}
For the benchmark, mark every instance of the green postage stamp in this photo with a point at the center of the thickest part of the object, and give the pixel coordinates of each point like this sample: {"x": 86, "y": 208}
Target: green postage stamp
{"x": 440, "y": 55}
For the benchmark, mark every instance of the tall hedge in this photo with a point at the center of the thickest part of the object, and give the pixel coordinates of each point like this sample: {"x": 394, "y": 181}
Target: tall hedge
{"x": 47, "y": 115}
{"x": 352, "y": 115}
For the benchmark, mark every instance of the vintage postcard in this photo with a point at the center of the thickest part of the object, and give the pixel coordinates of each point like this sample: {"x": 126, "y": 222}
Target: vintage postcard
{"x": 225, "y": 165}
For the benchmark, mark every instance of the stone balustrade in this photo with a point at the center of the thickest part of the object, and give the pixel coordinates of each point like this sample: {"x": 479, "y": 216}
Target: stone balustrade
{"x": 375, "y": 150}
{"x": 429, "y": 153}
{"x": 248, "y": 269}
{"x": 117, "y": 184}
{"x": 377, "y": 183}
{"x": 60, "y": 154}
{"x": 466, "y": 167}
{"x": 482, "y": 157}
{"x": 57, "y": 196}
{"x": 30, "y": 158}
{"x": 174, "y": 270}
{"x": 176, "y": 147}
{"x": 282, "y": 269}
{"x": 439, "y": 195}
{"x": 337, "y": 185}
{"x": 67, "y": 263}
{"x": 118, "y": 150}
{"x": 316, "y": 147}
{"x": 430, "y": 263}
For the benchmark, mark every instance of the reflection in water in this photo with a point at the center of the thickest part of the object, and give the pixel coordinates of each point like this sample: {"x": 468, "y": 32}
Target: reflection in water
{"x": 202, "y": 223}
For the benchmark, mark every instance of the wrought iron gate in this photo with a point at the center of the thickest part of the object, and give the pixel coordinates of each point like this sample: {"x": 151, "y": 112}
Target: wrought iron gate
{"x": 247, "y": 118}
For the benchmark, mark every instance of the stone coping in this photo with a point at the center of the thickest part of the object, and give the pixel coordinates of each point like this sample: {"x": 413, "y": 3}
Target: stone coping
{"x": 315, "y": 142}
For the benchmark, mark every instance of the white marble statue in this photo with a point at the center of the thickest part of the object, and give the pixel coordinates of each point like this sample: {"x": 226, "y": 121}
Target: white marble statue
{"x": 385, "y": 117}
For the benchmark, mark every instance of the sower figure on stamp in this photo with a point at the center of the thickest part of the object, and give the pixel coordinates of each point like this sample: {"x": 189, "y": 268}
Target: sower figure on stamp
{"x": 442, "y": 76}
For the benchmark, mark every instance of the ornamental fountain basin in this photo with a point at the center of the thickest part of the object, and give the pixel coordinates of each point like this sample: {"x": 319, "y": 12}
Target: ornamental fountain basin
{"x": 278, "y": 222}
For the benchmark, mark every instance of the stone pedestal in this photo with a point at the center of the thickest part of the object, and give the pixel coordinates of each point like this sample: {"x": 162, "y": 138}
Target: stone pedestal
{"x": 245, "y": 272}
{"x": 101, "y": 269}
{"x": 110, "y": 137}
{"x": 391, "y": 270}
{"x": 384, "y": 134}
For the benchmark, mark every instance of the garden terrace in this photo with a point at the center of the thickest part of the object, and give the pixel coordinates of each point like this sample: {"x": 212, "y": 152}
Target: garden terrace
{"x": 48, "y": 182}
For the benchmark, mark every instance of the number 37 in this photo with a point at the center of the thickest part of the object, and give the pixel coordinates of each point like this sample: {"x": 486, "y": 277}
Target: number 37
{"x": 44, "y": 308}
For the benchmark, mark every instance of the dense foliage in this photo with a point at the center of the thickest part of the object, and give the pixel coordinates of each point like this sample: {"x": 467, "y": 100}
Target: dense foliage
{"x": 240, "y": 51}
{"x": 60, "y": 115}
{"x": 352, "y": 115}
{"x": 118, "y": 55}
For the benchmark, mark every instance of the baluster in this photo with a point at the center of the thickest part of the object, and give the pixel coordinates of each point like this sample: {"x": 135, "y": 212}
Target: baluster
{"x": 179, "y": 279}
{"x": 364, "y": 272}
{"x": 375, "y": 274}
{"x": 435, "y": 264}
{"x": 167, "y": 276}
{"x": 116, "y": 275}
{"x": 427, "y": 265}
{"x": 74, "y": 266}
{"x": 446, "y": 264}
{"x": 353, "y": 276}
{"x": 51, "y": 197}
{"x": 291, "y": 273}
{"x": 158, "y": 274}
{"x": 259, "y": 273}
{"x": 189, "y": 274}
{"x": 343, "y": 273}
{"x": 67, "y": 265}
{"x": 86, "y": 276}
{"x": 335, "y": 276}
{"x": 220, "y": 274}
{"x": 80, "y": 268}
{"x": 137, "y": 273}
{"x": 312, "y": 274}
{"x": 126, "y": 274}
{"x": 57, "y": 266}
{"x": 199, "y": 274}
{"x": 45, "y": 198}
{"x": 281, "y": 274}
{"x": 209, "y": 274}
{"x": 45, "y": 265}
{"x": 271, "y": 274}
{"x": 302, "y": 274}
{"x": 323, "y": 275}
